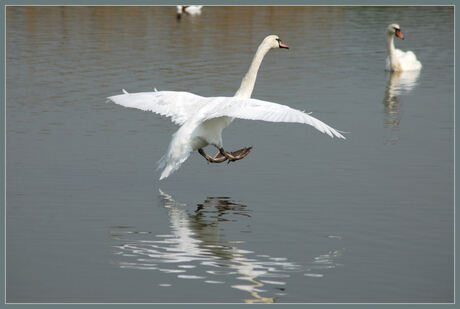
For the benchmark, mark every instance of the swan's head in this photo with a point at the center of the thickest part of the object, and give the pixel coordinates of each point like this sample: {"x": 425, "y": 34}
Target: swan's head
{"x": 394, "y": 29}
{"x": 274, "y": 41}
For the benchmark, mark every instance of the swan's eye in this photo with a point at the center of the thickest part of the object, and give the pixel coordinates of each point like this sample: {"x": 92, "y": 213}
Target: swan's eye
{"x": 281, "y": 44}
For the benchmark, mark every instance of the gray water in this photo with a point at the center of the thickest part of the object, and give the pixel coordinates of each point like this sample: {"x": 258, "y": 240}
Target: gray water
{"x": 303, "y": 218}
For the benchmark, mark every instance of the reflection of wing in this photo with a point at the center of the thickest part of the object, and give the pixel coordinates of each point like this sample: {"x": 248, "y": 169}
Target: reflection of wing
{"x": 209, "y": 247}
{"x": 183, "y": 241}
{"x": 197, "y": 238}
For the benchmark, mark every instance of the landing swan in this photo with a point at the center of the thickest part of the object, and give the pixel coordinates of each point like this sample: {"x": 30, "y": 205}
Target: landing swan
{"x": 397, "y": 60}
{"x": 202, "y": 119}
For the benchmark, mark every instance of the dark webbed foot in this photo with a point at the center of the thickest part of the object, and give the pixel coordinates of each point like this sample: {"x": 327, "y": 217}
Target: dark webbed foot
{"x": 240, "y": 154}
{"x": 218, "y": 158}
{"x": 235, "y": 155}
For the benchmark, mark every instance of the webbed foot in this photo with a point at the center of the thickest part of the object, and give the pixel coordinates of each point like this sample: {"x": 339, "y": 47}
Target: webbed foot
{"x": 235, "y": 155}
{"x": 218, "y": 158}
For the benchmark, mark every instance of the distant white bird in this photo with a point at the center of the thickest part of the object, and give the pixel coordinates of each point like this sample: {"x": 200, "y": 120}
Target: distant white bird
{"x": 202, "y": 119}
{"x": 397, "y": 60}
{"x": 188, "y": 9}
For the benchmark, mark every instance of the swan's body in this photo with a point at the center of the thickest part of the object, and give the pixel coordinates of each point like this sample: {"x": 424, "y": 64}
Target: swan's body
{"x": 398, "y": 60}
{"x": 202, "y": 119}
{"x": 188, "y": 9}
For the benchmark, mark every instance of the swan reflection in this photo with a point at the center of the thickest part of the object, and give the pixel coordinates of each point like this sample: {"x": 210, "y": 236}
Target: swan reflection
{"x": 196, "y": 248}
{"x": 399, "y": 83}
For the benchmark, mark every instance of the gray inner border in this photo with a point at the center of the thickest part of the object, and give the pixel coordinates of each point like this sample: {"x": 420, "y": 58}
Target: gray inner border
{"x": 210, "y": 3}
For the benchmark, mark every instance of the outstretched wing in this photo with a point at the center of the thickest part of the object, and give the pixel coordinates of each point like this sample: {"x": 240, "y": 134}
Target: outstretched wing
{"x": 180, "y": 106}
{"x": 253, "y": 109}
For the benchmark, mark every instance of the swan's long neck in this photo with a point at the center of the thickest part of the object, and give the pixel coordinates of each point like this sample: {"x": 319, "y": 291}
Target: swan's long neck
{"x": 392, "y": 50}
{"x": 247, "y": 84}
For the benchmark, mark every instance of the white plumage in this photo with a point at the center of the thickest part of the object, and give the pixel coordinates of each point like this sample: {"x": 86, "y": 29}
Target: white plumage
{"x": 398, "y": 60}
{"x": 202, "y": 119}
{"x": 189, "y": 9}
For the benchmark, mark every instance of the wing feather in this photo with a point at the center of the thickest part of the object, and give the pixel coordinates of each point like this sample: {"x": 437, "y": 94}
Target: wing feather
{"x": 183, "y": 106}
{"x": 178, "y": 105}
{"x": 253, "y": 109}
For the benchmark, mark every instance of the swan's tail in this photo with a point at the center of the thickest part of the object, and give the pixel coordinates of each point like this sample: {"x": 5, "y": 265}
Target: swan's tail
{"x": 178, "y": 151}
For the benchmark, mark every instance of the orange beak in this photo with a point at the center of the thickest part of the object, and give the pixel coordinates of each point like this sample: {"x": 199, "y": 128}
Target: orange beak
{"x": 282, "y": 45}
{"x": 399, "y": 34}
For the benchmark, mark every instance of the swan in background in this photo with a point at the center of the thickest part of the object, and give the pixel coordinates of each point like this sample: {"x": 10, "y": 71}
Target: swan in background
{"x": 202, "y": 119}
{"x": 397, "y": 60}
{"x": 188, "y": 9}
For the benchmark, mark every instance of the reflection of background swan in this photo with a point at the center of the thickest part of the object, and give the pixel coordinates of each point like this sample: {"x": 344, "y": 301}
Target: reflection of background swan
{"x": 196, "y": 248}
{"x": 399, "y": 83}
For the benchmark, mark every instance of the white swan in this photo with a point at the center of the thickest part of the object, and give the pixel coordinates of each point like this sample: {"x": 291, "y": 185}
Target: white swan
{"x": 188, "y": 9}
{"x": 397, "y": 60}
{"x": 202, "y": 119}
